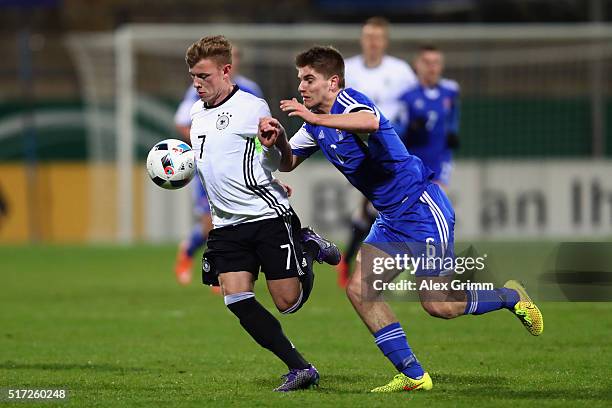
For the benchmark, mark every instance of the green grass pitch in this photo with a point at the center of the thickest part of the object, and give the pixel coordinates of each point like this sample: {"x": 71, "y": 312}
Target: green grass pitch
{"x": 111, "y": 325}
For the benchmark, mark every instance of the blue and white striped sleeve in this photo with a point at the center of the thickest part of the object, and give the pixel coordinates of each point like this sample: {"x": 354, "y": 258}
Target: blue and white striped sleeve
{"x": 303, "y": 143}
{"x": 356, "y": 102}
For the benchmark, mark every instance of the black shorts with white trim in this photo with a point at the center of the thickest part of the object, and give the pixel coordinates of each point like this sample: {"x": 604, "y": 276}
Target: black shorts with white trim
{"x": 272, "y": 245}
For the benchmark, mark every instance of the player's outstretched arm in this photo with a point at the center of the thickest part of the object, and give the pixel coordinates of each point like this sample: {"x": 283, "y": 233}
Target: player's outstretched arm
{"x": 362, "y": 122}
{"x": 272, "y": 133}
{"x": 356, "y": 122}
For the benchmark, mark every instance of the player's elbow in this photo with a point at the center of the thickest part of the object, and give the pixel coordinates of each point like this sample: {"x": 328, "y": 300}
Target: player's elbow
{"x": 371, "y": 124}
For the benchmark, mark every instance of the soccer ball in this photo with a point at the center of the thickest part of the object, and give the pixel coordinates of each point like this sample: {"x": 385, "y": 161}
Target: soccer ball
{"x": 171, "y": 164}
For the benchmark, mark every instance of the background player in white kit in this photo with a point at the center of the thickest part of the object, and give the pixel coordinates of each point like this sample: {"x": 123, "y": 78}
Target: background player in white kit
{"x": 254, "y": 224}
{"x": 383, "y": 78}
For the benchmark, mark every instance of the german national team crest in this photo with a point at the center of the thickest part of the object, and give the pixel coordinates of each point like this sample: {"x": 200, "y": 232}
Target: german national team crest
{"x": 223, "y": 120}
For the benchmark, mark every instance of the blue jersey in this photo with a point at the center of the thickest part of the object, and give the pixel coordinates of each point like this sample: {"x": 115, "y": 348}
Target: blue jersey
{"x": 379, "y": 166}
{"x": 432, "y": 114}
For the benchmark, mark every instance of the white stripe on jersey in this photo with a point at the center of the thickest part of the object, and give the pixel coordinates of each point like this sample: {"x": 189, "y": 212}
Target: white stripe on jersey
{"x": 251, "y": 182}
{"x": 350, "y": 104}
{"x": 343, "y": 100}
{"x": 348, "y": 97}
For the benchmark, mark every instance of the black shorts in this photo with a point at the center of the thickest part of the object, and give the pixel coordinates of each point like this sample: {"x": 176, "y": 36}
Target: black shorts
{"x": 272, "y": 244}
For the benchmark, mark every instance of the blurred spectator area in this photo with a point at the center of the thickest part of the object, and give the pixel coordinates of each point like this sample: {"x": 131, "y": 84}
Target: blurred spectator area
{"x": 522, "y": 98}
{"x": 519, "y": 98}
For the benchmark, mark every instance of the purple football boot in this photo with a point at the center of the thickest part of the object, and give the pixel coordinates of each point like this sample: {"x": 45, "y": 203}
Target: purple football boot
{"x": 299, "y": 379}
{"x": 328, "y": 251}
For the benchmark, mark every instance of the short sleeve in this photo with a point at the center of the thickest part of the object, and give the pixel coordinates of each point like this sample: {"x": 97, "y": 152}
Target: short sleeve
{"x": 258, "y": 108}
{"x": 355, "y": 102}
{"x": 264, "y": 110}
{"x": 303, "y": 144}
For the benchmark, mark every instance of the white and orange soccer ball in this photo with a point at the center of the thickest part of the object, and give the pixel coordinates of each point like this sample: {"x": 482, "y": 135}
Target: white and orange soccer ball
{"x": 171, "y": 164}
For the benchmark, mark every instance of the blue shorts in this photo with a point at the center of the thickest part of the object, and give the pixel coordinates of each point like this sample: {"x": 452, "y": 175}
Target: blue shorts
{"x": 426, "y": 226}
{"x": 200, "y": 201}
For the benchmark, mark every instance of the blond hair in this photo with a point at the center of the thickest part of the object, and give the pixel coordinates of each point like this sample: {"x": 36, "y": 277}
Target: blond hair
{"x": 216, "y": 47}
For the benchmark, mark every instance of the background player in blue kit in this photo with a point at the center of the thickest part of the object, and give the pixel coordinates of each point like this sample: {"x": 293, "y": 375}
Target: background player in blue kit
{"x": 199, "y": 233}
{"x": 360, "y": 142}
{"x": 432, "y": 108}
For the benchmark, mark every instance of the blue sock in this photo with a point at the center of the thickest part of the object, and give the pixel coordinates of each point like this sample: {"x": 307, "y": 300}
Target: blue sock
{"x": 485, "y": 301}
{"x": 196, "y": 240}
{"x": 391, "y": 340}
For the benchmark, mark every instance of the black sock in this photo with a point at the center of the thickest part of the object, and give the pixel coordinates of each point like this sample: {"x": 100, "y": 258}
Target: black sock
{"x": 266, "y": 331}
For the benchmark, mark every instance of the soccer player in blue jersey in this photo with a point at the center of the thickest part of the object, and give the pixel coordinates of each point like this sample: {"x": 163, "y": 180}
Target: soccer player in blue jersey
{"x": 432, "y": 108}
{"x": 199, "y": 233}
{"x": 358, "y": 140}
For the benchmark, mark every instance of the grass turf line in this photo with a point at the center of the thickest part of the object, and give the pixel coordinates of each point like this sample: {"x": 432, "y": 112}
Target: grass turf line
{"x": 112, "y": 326}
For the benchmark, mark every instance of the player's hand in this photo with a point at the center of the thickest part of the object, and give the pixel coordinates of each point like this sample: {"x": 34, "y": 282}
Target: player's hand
{"x": 294, "y": 108}
{"x": 269, "y": 130}
{"x": 285, "y": 187}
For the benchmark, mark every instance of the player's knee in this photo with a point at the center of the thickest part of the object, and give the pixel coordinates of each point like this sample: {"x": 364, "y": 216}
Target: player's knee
{"x": 442, "y": 310}
{"x": 287, "y": 303}
{"x": 283, "y": 306}
{"x": 353, "y": 290}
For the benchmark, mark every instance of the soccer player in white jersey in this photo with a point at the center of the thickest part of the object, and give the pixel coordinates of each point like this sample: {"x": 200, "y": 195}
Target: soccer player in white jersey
{"x": 254, "y": 224}
{"x": 383, "y": 78}
{"x": 199, "y": 233}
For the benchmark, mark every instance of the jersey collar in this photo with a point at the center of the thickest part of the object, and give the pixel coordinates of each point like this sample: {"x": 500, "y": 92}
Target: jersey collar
{"x": 227, "y": 98}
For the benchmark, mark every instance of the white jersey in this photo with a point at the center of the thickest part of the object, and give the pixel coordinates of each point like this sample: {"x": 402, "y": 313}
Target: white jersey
{"x": 229, "y": 160}
{"x": 383, "y": 84}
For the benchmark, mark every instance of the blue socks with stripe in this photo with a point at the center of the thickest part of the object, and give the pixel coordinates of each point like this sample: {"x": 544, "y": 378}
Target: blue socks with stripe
{"x": 391, "y": 340}
{"x": 485, "y": 301}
